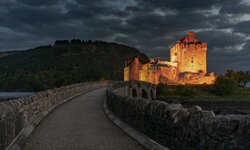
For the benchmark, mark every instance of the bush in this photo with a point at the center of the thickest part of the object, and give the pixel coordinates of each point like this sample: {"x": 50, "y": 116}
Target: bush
{"x": 224, "y": 86}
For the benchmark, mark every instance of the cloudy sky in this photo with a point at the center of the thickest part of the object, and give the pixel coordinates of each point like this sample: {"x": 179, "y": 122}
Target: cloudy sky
{"x": 152, "y": 26}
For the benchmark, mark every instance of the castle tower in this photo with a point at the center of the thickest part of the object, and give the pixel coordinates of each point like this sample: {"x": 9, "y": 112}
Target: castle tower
{"x": 135, "y": 68}
{"x": 190, "y": 54}
{"x": 132, "y": 70}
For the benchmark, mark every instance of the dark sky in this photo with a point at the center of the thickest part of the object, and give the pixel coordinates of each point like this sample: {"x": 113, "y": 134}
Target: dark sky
{"x": 152, "y": 26}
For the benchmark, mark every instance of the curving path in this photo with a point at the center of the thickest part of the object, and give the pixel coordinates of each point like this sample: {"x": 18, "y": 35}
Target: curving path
{"x": 80, "y": 124}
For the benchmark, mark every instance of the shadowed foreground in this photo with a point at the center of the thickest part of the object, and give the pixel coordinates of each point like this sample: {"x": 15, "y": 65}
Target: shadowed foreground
{"x": 80, "y": 124}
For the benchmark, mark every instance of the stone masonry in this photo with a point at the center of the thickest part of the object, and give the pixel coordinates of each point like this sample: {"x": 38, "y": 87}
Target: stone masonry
{"x": 18, "y": 114}
{"x": 179, "y": 128}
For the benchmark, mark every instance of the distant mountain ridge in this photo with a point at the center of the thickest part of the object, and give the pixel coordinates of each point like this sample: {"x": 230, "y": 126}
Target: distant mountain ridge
{"x": 64, "y": 63}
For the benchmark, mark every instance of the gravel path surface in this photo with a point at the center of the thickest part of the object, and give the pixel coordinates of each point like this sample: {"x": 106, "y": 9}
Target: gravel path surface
{"x": 80, "y": 124}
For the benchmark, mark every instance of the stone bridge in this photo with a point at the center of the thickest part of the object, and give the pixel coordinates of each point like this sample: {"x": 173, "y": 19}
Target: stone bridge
{"x": 69, "y": 117}
{"x": 80, "y": 117}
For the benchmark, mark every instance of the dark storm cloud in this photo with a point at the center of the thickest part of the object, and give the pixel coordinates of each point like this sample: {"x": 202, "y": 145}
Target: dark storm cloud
{"x": 220, "y": 39}
{"x": 178, "y": 4}
{"x": 236, "y": 59}
{"x": 242, "y": 27}
{"x": 149, "y": 25}
{"x": 39, "y": 2}
{"x": 235, "y": 7}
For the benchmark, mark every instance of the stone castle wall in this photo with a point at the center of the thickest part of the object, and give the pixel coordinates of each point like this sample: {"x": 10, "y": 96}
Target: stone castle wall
{"x": 191, "y": 57}
{"x": 17, "y": 114}
{"x": 180, "y": 128}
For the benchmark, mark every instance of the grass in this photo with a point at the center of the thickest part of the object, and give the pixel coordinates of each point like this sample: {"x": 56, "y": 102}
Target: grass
{"x": 200, "y": 93}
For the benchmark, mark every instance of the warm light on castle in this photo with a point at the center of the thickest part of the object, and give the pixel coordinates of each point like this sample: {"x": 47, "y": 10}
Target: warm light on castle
{"x": 187, "y": 65}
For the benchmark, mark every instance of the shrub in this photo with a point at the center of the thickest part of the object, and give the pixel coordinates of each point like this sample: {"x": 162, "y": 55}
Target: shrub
{"x": 224, "y": 86}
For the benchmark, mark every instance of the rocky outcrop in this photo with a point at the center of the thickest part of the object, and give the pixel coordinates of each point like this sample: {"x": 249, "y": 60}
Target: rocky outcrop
{"x": 19, "y": 113}
{"x": 179, "y": 128}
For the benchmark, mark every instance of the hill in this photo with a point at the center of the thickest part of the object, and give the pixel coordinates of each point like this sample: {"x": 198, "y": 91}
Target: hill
{"x": 66, "y": 62}
{"x": 3, "y": 54}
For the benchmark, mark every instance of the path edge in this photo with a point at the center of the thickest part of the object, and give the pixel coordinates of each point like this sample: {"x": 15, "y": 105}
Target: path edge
{"x": 136, "y": 135}
{"x": 25, "y": 133}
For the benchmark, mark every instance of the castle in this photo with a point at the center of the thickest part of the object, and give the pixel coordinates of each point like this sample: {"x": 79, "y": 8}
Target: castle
{"x": 187, "y": 65}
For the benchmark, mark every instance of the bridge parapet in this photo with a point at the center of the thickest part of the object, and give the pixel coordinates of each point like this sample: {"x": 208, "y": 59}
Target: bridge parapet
{"x": 177, "y": 127}
{"x": 17, "y": 114}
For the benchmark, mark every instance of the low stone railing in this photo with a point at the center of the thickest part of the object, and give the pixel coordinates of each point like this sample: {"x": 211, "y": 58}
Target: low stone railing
{"x": 17, "y": 114}
{"x": 177, "y": 127}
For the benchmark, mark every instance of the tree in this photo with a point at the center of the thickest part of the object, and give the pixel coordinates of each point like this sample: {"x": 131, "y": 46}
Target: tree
{"x": 76, "y": 41}
{"x": 230, "y": 73}
{"x": 240, "y": 77}
{"x": 224, "y": 86}
{"x": 248, "y": 76}
{"x": 61, "y": 42}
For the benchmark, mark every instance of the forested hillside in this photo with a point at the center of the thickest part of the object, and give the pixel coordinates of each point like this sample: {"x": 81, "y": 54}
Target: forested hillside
{"x": 64, "y": 63}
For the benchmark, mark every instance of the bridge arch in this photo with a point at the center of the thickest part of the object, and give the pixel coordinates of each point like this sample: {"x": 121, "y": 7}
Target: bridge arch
{"x": 141, "y": 90}
{"x": 134, "y": 93}
{"x": 144, "y": 94}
